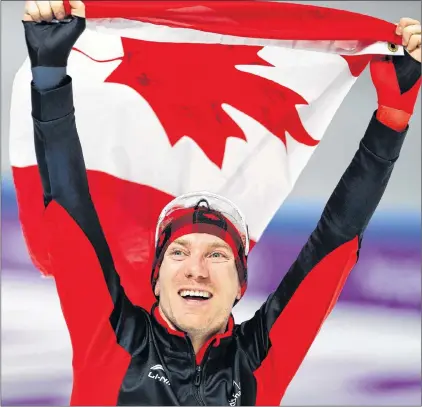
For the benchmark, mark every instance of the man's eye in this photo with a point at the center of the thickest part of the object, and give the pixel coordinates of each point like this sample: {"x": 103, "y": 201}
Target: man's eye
{"x": 217, "y": 255}
{"x": 177, "y": 252}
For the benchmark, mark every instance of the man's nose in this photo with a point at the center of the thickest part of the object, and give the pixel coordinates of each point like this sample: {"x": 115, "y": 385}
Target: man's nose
{"x": 196, "y": 268}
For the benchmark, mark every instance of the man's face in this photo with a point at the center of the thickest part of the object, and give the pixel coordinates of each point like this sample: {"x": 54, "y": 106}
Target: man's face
{"x": 198, "y": 283}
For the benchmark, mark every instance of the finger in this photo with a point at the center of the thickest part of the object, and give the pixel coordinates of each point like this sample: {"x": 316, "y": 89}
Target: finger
{"x": 27, "y": 17}
{"x": 45, "y": 10}
{"x": 58, "y": 9}
{"x": 31, "y": 12}
{"x": 414, "y": 42}
{"x": 77, "y": 8}
{"x": 404, "y": 22}
{"x": 409, "y": 31}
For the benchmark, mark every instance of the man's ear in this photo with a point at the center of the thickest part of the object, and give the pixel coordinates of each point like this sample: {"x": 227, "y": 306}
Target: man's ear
{"x": 157, "y": 288}
{"x": 239, "y": 293}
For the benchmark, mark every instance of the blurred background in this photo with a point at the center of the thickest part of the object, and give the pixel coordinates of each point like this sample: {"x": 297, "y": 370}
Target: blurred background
{"x": 368, "y": 352}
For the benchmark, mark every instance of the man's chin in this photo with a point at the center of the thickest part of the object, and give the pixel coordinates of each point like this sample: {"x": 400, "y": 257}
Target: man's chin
{"x": 193, "y": 324}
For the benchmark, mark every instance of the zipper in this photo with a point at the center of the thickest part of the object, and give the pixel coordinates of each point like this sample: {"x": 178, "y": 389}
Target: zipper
{"x": 198, "y": 373}
{"x": 198, "y": 376}
{"x": 197, "y": 384}
{"x": 199, "y": 369}
{"x": 197, "y": 379}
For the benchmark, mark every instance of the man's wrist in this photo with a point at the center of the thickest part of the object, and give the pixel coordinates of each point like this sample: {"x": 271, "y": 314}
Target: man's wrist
{"x": 52, "y": 104}
{"x": 396, "y": 119}
{"x": 46, "y": 77}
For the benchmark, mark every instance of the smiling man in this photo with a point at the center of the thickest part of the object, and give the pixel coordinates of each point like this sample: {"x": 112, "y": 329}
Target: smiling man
{"x": 200, "y": 264}
{"x": 197, "y": 284}
{"x": 187, "y": 350}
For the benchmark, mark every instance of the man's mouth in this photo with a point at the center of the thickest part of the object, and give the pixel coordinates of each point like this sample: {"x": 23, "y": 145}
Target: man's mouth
{"x": 195, "y": 295}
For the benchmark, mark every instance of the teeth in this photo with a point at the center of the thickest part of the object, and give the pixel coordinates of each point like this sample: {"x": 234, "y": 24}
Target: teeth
{"x": 191, "y": 293}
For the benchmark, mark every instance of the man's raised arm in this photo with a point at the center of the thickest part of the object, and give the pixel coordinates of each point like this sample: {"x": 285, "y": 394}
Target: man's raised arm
{"x": 64, "y": 178}
{"x": 280, "y": 334}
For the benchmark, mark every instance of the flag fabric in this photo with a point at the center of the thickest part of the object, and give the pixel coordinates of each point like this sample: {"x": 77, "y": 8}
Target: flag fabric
{"x": 171, "y": 97}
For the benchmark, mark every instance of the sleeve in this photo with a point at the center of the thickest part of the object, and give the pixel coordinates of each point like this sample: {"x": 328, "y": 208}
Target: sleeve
{"x": 281, "y": 332}
{"x": 83, "y": 266}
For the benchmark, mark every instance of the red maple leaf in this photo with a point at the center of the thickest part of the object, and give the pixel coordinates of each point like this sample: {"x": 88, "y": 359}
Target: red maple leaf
{"x": 186, "y": 85}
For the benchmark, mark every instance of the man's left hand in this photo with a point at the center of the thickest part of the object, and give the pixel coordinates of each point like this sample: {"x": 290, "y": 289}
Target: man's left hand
{"x": 410, "y": 30}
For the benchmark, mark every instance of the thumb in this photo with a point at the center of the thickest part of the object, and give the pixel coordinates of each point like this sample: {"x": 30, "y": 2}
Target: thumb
{"x": 77, "y": 8}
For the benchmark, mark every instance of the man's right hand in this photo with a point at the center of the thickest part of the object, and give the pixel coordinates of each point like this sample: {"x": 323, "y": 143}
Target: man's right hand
{"x": 47, "y": 10}
{"x": 49, "y": 33}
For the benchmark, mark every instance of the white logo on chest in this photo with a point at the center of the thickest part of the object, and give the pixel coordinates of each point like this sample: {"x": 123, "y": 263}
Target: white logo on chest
{"x": 156, "y": 376}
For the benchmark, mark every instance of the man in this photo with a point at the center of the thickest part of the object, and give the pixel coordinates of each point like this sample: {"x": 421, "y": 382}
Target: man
{"x": 187, "y": 350}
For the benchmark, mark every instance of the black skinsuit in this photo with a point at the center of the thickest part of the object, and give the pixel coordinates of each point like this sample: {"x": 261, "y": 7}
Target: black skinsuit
{"x": 127, "y": 355}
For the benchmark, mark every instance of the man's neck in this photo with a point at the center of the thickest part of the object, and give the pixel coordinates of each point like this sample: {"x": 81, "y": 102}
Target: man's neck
{"x": 198, "y": 340}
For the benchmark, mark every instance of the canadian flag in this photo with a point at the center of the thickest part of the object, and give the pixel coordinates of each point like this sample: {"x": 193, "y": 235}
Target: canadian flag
{"x": 171, "y": 97}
